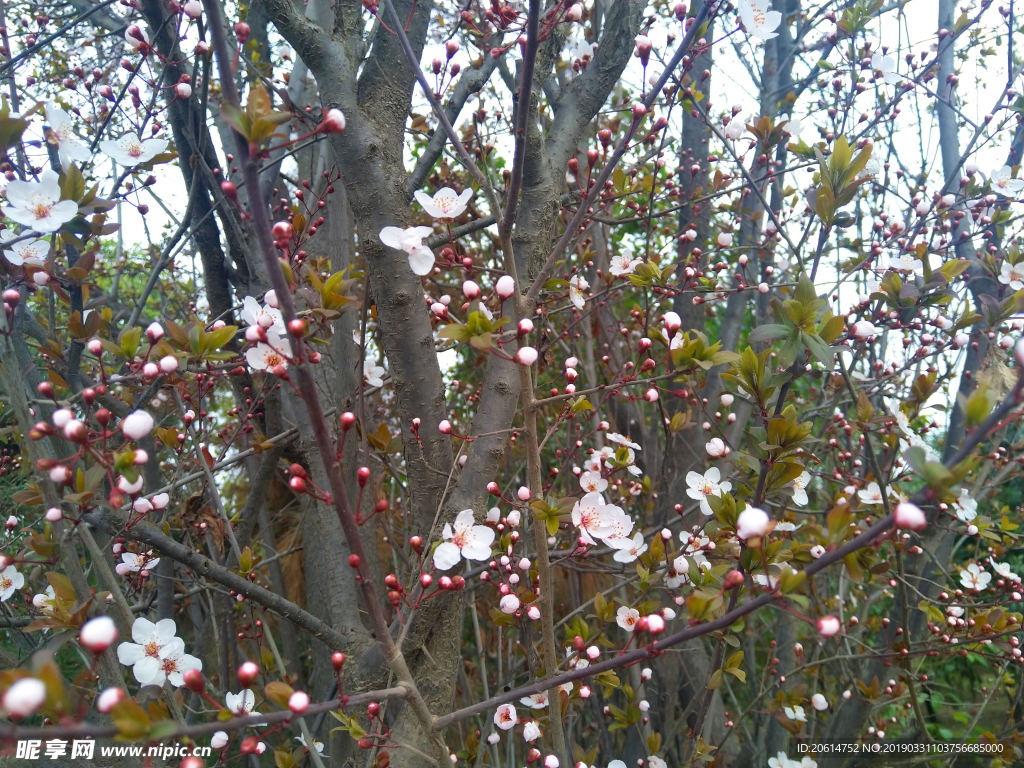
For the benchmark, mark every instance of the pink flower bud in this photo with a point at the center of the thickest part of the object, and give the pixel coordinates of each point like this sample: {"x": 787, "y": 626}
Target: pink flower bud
{"x": 505, "y": 287}
{"x": 828, "y": 626}
{"x": 524, "y": 493}
{"x": 53, "y": 514}
{"x": 110, "y": 698}
{"x": 98, "y": 634}
{"x": 183, "y": 90}
{"x": 470, "y": 290}
{"x": 863, "y": 329}
{"x": 655, "y": 624}
{"x": 24, "y": 697}
{"x": 298, "y": 702}
{"x": 334, "y": 121}
{"x": 169, "y": 364}
{"x": 137, "y": 425}
{"x": 445, "y": 427}
{"x": 247, "y": 674}
{"x": 752, "y": 523}
{"x": 509, "y": 604}
{"x": 526, "y": 356}
{"x": 909, "y": 516}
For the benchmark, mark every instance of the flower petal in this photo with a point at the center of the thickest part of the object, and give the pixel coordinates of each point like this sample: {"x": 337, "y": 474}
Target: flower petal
{"x": 446, "y": 556}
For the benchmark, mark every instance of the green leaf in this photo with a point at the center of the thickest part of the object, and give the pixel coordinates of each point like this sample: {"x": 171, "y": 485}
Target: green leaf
{"x": 768, "y": 332}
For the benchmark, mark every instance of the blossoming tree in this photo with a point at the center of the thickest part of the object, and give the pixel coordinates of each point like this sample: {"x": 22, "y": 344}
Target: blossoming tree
{"x": 424, "y": 383}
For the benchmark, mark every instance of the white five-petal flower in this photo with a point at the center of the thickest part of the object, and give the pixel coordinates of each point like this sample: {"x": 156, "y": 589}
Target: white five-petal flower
{"x": 870, "y": 495}
{"x": 1012, "y": 275}
{"x": 10, "y": 582}
{"x": 627, "y": 550}
{"x": 627, "y": 617}
{"x": 421, "y": 258}
{"x": 266, "y": 356}
{"x": 242, "y": 703}
{"x": 577, "y": 291}
{"x": 708, "y": 484}
{"x": 966, "y": 507}
{"x": 137, "y": 563}
{"x": 30, "y": 251}
{"x": 758, "y": 19}
{"x": 153, "y": 643}
{"x": 623, "y": 263}
{"x": 63, "y": 128}
{"x": 464, "y": 540}
{"x": 885, "y": 67}
{"x": 593, "y": 517}
{"x": 972, "y": 577}
{"x": 800, "y": 488}
{"x": 38, "y": 205}
{"x": 1004, "y": 183}
{"x": 131, "y": 150}
{"x": 373, "y": 373}
{"x": 446, "y": 202}
{"x": 267, "y": 317}
{"x": 592, "y": 482}
{"x": 505, "y": 717}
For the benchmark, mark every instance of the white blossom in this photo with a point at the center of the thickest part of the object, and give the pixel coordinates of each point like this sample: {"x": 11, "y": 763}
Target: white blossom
{"x": 10, "y": 582}
{"x": 758, "y": 20}
{"x": 446, "y": 202}
{"x": 63, "y": 130}
{"x": 1004, "y": 183}
{"x": 275, "y": 352}
{"x": 131, "y": 150}
{"x": 972, "y": 577}
{"x": 466, "y": 539}
{"x": 410, "y": 240}
{"x": 627, "y": 617}
{"x": 37, "y": 204}
{"x": 708, "y": 484}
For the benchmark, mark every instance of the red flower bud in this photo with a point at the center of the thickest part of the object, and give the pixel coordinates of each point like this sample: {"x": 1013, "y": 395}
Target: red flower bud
{"x": 353, "y": 561}
{"x": 362, "y": 476}
{"x": 194, "y": 680}
{"x": 733, "y": 579}
{"x": 283, "y": 231}
{"x": 348, "y": 420}
{"x": 337, "y": 661}
{"x": 247, "y": 674}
